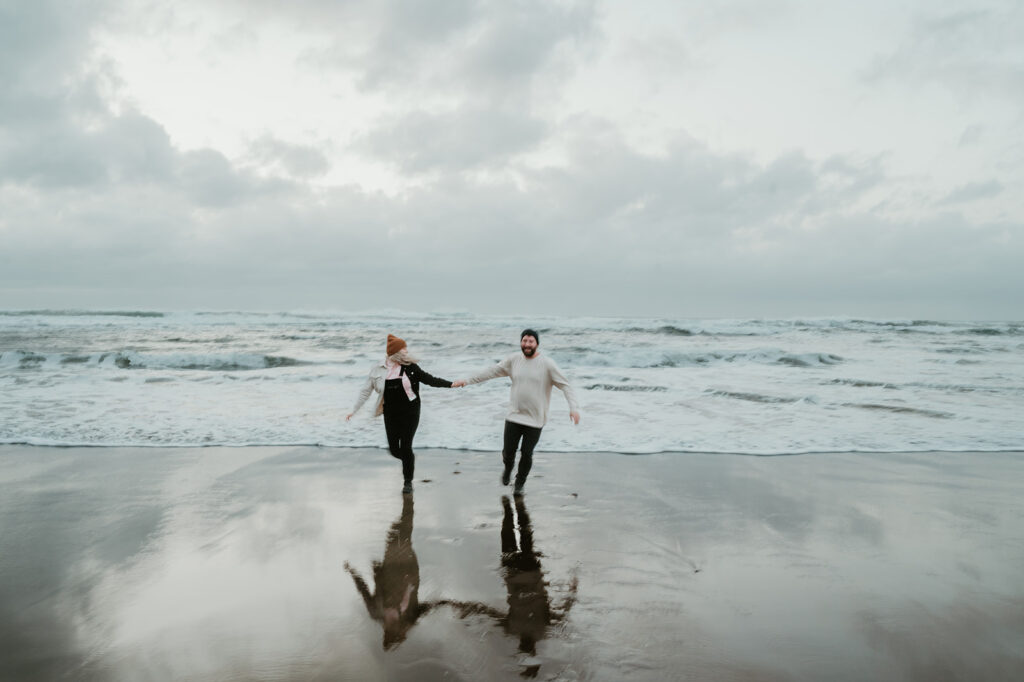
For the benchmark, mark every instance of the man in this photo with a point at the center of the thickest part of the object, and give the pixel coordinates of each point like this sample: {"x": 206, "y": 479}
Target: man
{"x": 531, "y": 610}
{"x": 533, "y": 375}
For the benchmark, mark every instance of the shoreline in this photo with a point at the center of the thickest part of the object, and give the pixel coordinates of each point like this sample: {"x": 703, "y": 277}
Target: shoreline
{"x": 242, "y": 562}
{"x": 383, "y": 448}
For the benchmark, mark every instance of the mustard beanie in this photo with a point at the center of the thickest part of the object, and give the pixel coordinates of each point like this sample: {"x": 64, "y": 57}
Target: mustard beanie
{"x": 395, "y": 344}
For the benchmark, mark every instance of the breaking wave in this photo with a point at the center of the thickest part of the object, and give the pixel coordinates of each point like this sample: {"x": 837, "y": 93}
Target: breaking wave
{"x": 625, "y": 387}
{"x": 754, "y": 397}
{"x": 644, "y": 385}
{"x": 229, "y": 362}
{"x": 902, "y": 409}
{"x": 766, "y": 357}
{"x": 81, "y": 313}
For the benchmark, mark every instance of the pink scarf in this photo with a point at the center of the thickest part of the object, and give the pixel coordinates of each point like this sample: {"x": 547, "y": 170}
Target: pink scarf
{"x": 394, "y": 370}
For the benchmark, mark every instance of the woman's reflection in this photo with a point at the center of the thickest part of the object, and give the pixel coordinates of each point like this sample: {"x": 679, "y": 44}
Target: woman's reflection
{"x": 530, "y": 610}
{"x": 395, "y": 602}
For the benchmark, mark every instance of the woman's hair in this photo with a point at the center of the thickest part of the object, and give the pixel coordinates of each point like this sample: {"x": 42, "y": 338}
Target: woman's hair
{"x": 403, "y": 357}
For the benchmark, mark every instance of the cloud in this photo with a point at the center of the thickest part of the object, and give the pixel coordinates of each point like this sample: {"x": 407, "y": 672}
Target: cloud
{"x": 519, "y": 38}
{"x": 74, "y": 140}
{"x": 45, "y": 92}
{"x": 611, "y": 232}
{"x": 692, "y": 194}
{"x": 971, "y": 135}
{"x": 129, "y": 147}
{"x": 486, "y": 48}
{"x": 505, "y": 208}
{"x": 973, "y": 191}
{"x": 211, "y": 180}
{"x": 41, "y": 44}
{"x": 974, "y": 52}
{"x": 297, "y": 160}
{"x": 452, "y": 141}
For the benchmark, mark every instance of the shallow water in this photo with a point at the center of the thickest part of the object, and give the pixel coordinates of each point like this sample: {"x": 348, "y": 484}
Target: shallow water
{"x": 645, "y": 385}
{"x": 246, "y": 563}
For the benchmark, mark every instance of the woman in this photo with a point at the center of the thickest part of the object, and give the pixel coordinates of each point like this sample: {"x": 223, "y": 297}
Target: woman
{"x": 394, "y": 602}
{"x": 397, "y": 380}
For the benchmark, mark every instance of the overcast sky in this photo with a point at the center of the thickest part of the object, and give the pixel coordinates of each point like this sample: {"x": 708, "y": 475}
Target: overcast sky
{"x": 767, "y": 158}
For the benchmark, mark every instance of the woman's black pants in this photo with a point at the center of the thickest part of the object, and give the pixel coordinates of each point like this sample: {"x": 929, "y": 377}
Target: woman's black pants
{"x": 400, "y": 424}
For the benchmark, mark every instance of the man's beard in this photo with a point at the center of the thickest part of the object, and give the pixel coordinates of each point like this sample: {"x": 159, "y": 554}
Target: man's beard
{"x": 528, "y": 352}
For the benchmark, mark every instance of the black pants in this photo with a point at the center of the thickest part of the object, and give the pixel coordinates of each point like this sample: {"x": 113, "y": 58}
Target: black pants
{"x": 400, "y": 423}
{"x": 529, "y": 435}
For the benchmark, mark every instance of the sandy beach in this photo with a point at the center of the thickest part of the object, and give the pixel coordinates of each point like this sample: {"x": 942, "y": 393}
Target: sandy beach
{"x": 308, "y": 564}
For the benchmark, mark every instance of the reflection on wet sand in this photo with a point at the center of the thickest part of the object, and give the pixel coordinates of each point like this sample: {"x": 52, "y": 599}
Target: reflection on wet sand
{"x": 226, "y": 564}
{"x": 395, "y": 601}
{"x": 530, "y": 611}
{"x": 395, "y": 604}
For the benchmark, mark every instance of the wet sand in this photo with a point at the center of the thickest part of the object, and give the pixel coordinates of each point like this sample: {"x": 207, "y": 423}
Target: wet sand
{"x": 308, "y": 564}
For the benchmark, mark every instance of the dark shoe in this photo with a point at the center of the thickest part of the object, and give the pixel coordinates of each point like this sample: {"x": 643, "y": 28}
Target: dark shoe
{"x": 518, "y": 490}
{"x": 506, "y": 476}
{"x": 407, "y": 488}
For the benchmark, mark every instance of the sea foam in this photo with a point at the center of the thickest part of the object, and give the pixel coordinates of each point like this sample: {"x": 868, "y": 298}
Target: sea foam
{"x": 645, "y": 385}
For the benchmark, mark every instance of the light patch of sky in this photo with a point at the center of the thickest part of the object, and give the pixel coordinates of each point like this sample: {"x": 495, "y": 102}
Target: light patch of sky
{"x": 765, "y": 86}
{"x": 215, "y": 82}
{"x": 785, "y": 81}
{"x": 759, "y": 79}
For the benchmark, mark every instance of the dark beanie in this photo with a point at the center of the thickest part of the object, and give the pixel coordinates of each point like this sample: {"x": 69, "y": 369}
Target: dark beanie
{"x": 530, "y": 332}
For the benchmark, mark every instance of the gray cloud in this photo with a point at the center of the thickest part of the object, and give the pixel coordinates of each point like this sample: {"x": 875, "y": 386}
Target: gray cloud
{"x": 693, "y": 194}
{"x": 973, "y": 52}
{"x": 72, "y": 139}
{"x": 100, "y": 208}
{"x": 973, "y": 191}
{"x": 43, "y": 90}
{"x": 41, "y": 43}
{"x": 971, "y": 135}
{"x": 130, "y": 148}
{"x": 210, "y": 180}
{"x": 455, "y": 141}
{"x": 689, "y": 245}
{"x": 519, "y": 38}
{"x": 736, "y": 15}
{"x": 476, "y": 49}
{"x": 304, "y": 161}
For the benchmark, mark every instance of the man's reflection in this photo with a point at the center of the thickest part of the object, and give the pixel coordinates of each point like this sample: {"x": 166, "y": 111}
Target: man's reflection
{"x": 530, "y": 610}
{"x": 395, "y": 601}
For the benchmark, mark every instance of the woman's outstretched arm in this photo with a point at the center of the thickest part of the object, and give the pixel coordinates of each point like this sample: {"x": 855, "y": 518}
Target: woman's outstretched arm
{"x": 364, "y": 393}
{"x": 429, "y": 379}
{"x": 364, "y": 591}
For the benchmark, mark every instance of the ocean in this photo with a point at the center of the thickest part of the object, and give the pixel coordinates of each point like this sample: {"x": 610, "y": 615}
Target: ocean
{"x": 758, "y": 387}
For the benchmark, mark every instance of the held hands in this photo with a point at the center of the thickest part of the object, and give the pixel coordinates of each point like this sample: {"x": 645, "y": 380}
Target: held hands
{"x": 458, "y": 384}
{"x": 575, "y": 417}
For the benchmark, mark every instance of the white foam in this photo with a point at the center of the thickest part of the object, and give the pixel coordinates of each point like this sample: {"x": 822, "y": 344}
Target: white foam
{"x": 738, "y": 386}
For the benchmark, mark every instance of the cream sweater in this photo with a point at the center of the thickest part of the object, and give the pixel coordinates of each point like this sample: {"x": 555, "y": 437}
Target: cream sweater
{"x": 532, "y": 379}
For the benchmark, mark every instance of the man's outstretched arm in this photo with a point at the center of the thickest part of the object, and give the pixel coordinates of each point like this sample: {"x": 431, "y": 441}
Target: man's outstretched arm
{"x": 502, "y": 369}
{"x": 559, "y": 380}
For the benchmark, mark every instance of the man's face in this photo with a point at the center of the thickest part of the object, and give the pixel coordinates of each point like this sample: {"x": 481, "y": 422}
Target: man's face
{"x": 529, "y": 345}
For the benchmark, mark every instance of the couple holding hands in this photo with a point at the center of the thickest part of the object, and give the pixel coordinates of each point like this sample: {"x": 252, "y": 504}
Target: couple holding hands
{"x": 397, "y": 379}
